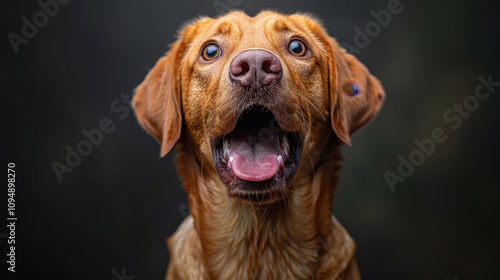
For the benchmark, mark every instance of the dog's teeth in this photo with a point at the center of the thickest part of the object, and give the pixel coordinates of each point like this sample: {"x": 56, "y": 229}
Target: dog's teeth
{"x": 285, "y": 147}
{"x": 225, "y": 149}
{"x": 230, "y": 163}
{"x": 279, "y": 158}
{"x": 227, "y": 142}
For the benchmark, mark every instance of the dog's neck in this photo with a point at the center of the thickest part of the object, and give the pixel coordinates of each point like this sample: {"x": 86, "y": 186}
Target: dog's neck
{"x": 239, "y": 240}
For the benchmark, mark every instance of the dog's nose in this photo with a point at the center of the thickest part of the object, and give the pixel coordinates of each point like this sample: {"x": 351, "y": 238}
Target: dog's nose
{"x": 255, "y": 68}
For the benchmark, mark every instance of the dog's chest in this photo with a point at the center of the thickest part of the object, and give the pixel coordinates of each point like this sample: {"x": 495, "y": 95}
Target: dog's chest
{"x": 243, "y": 246}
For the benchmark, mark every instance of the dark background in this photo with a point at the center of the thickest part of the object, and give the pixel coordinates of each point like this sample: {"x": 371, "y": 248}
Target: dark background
{"x": 118, "y": 206}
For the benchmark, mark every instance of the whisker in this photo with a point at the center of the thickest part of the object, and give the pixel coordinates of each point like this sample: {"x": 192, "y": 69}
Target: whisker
{"x": 307, "y": 99}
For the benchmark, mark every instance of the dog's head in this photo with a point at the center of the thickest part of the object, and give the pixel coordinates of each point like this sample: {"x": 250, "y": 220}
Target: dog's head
{"x": 257, "y": 97}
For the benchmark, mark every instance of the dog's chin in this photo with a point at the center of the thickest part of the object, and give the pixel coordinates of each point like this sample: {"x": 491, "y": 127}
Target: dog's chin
{"x": 259, "y": 193}
{"x": 257, "y": 159}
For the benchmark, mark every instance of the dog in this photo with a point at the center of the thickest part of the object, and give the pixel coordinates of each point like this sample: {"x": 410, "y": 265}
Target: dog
{"x": 258, "y": 108}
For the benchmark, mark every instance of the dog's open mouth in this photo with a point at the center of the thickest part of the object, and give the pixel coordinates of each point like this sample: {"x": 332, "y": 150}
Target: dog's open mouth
{"x": 257, "y": 159}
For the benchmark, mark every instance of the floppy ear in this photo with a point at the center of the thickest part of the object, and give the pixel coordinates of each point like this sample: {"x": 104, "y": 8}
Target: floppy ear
{"x": 157, "y": 100}
{"x": 355, "y": 95}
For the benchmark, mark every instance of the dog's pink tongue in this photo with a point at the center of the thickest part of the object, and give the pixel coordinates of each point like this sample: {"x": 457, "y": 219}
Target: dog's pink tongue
{"x": 252, "y": 161}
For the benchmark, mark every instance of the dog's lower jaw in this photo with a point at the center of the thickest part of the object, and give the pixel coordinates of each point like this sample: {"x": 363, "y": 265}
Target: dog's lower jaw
{"x": 226, "y": 238}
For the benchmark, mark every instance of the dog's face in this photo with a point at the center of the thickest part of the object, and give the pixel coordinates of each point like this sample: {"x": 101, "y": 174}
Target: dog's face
{"x": 259, "y": 99}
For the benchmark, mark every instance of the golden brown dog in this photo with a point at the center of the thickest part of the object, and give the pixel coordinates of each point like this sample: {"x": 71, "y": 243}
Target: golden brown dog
{"x": 258, "y": 107}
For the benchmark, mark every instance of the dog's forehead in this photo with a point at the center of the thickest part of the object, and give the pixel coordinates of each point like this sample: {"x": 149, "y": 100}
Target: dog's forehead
{"x": 244, "y": 28}
{"x": 251, "y": 23}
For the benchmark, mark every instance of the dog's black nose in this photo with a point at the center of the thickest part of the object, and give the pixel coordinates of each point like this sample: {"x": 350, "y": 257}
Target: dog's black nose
{"x": 255, "y": 68}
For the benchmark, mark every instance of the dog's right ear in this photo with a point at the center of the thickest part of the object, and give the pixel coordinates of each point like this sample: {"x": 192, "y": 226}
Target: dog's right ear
{"x": 157, "y": 100}
{"x": 157, "y": 103}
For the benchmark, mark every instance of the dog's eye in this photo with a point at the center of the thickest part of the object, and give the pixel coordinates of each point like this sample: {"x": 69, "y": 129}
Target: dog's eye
{"x": 297, "y": 48}
{"x": 211, "y": 52}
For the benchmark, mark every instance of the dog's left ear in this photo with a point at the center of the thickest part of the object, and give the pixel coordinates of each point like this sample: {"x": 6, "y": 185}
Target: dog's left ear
{"x": 355, "y": 95}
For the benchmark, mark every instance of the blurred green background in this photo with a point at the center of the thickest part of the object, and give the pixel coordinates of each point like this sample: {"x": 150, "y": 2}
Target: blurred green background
{"x": 117, "y": 207}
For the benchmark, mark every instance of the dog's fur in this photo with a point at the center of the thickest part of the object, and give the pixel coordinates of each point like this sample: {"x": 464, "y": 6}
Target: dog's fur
{"x": 186, "y": 102}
